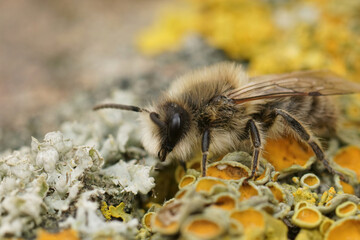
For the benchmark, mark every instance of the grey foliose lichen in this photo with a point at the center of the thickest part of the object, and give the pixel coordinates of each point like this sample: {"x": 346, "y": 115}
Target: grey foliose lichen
{"x": 53, "y": 183}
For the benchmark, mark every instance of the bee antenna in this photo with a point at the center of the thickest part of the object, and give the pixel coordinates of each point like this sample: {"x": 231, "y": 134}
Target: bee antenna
{"x": 120, "y": 106}
{"x": 155, "y": 118}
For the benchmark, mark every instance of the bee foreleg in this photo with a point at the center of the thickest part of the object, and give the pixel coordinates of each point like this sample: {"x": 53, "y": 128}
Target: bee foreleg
{"x": 256, "y": 142}
{"x": 308, "y": 137}
{"x": 205, "y": 143}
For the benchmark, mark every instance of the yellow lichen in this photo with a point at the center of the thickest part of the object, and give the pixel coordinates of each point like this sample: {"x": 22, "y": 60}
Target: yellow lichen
{"x": 304, "y": 194}
{"x": 309, "y": 234}
{"x": 277, "y": 191}
{"x": 346, "y": 209}
{"x": 295, "y": 180}
{"x": 348, "y": 157}
{"x": 164, "y": 227}
{"x": 105, "y": 210}
{"x": 227, "y": 171}
{"x": 262, "y": 176}
{"x": 280, "y": 37}
{"x": 247, "y": 190}
{"x": 275, "y": 176}
{"x": 115, "y": 212}
{"x": 310, "y": 180}
{"x": 307, "y": 217}
{"x": 236, "y": 228}
{"x": 301, "y": 205}
{"x": 193, "y": 163}
{"x": 225, "y": 201}
{"x": 325, "y": 225}
{"x": 180, "y": 194}
{"x": 147, "y": 219}
{"x": 347, "y": 188}
{"x": 186, "y": 180}
{"x": 283, "y": 153}
{"x": 206, "y": 184}
{"x": 348, "y": 228}
{"x": 216, "y": 22}
{"x": 257, "y": 225}
{"x": 327, "y": 196}
{"x": 166, "y": 220}
{"x": 250, "y": 219}
{"x": 67, "y": 234}
{"x": 203, "y": 229}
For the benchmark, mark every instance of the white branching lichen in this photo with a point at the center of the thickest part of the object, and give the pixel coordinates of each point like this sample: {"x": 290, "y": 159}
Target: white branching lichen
{"x": 131, "y": 177}
{"x": 64, "y": 173}
{"x": 89, "y": 222}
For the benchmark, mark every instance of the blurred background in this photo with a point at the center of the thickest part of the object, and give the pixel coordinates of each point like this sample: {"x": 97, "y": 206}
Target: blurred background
{"x": 59, "y": 58}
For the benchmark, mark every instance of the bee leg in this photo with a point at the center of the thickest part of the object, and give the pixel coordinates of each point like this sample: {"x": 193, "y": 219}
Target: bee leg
{"x": 205, "y": 143}
{"x": 256, "y": 142}
{"x": 308, "y": 137}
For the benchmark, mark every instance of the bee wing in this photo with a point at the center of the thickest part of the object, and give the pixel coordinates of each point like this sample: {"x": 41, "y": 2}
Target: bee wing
{"x": 303, "y": 83}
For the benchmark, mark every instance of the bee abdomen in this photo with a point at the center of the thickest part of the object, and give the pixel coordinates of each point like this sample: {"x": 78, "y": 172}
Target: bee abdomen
{"x": 322, "y": 116}
{"x": 317, "y": 112}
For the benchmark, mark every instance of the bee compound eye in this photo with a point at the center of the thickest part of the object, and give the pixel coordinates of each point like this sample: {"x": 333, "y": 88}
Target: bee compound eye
{"x": 175, "y": 123}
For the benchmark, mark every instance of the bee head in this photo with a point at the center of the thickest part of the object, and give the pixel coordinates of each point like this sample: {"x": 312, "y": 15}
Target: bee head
{"x": 173, "y": 122}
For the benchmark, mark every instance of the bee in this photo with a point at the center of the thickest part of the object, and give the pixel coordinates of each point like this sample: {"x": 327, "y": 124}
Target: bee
{"x": 219, "y": 109}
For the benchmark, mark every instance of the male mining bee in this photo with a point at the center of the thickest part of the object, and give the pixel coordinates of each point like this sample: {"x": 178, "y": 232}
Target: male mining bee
{"x": 219, "y": 109}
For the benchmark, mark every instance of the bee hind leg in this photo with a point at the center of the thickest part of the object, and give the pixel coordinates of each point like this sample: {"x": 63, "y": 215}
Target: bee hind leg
{"x": 255, "y": 137}
{"x": 308, "y": 137}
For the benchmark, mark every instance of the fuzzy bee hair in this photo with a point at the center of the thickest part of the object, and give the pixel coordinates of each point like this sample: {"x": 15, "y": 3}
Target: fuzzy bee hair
{"x": 193, "y": 92}
{"x": 219, "y": 109}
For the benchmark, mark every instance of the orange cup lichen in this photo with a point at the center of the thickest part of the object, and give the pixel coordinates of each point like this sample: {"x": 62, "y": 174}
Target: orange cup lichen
{"x": 146, "y": 220}
{"x": 186, "y": 180}
{"x": 307, "y": 217}
{"x": 251, "y": 219}
{"x": 310, "y": 180}
{"x": 301, "y": 205}
{"x": 247, "y": 190}
{"x": 325, "y": 225}
{"x": 206, "y": 184}
{"x": 180, "y": 193}
{"x": 202, "y": 228}
{"x": 346, "y": 209}
{"x": 283, "y": 153}
{"x": 276, "y": 191}
{"x": 348, "y": 157}
{"x": 194, "y": 163}
{"x": 347, "y": 228}
{"x": 225, "y": 201}
{"x": 166, "y": 220}
{"x": 167, "y": 228}
{"x": 262, "y": 176}
{"x": 235, "y": 227}
{"x": 347, "y": 188}
{"x": 227, "y": 170}
{"x": 67, "y": 234}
